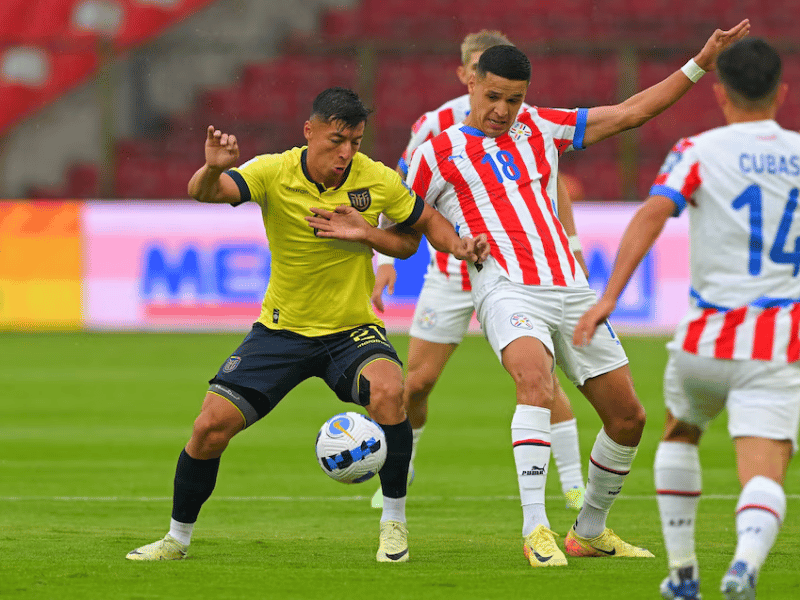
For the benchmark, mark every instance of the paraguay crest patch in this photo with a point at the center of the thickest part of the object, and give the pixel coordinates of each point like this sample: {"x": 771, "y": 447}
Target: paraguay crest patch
{"x": 231, "y": 364}
{"x": 519, "y": 131}
{"x": 427, "y": 320}
{"x": 360, "y": 199}
{"x": 521, "y": 321}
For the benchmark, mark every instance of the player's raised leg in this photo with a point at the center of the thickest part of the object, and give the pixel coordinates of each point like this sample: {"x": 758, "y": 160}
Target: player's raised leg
{"x": 384, "y": 379}
{"x": 612, "y": 455}
{"x": 195, "y": 476}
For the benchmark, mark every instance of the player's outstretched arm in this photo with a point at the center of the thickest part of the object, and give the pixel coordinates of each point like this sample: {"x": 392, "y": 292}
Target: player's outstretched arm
{"x": 604, "y": 121}
{"x": 443, "y": 237}
{"x": 210, "y": 183}
{"x": 346, "y": 223}
{"x": 640, "y": 235}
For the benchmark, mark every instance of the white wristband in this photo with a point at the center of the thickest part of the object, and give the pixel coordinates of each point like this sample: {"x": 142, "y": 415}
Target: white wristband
{"x": 385, "y": 260}
{"x": 692, "y": 71}
{"x": 575, "y": 243}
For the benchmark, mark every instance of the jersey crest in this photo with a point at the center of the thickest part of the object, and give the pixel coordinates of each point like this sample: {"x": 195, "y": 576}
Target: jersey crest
{"x": 519, "y": 131}
{"x": 360, "y": 199}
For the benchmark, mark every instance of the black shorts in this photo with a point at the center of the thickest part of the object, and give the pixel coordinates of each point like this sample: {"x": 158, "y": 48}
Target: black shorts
{"x": 271, "y": 362}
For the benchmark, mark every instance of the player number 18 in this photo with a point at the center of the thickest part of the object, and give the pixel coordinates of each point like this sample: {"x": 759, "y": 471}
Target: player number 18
{"x": 506, "y": 167}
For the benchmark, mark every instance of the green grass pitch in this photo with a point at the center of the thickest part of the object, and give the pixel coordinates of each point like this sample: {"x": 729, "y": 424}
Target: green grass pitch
{"x": 91, "y": 426}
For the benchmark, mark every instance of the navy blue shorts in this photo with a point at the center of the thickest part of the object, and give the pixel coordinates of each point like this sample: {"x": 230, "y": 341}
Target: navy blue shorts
{"x": 269, "y": 363}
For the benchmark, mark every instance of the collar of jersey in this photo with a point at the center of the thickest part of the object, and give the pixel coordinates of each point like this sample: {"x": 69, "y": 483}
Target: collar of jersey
{"x": 321, "y": 188}
{"x": 472, "y": 131}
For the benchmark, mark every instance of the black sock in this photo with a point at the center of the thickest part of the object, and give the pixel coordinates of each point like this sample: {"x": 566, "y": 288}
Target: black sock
{"x": 394, "y": 474}
{"x": 194, "y": 481}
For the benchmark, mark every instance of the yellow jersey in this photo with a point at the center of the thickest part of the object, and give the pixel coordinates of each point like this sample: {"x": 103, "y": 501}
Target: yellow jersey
{"x": 319, "y": 285}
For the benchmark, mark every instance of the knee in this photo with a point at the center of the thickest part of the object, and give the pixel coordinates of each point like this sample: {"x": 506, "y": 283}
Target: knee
{"x": 386, "y": 391}
{"x": 419, "y": 383}
{"x": 534, "y": 388}
{"x": 210, "y": 436}
{"x": 386, "y": 401}
{"x": 629, "y": 425}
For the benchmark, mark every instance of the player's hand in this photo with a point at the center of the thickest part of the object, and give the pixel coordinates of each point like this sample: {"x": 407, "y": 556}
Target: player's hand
{"x": 385, "y": 277}
{"x": 475, "y": 250}
{"x": 591, "y": 319}
{"x": 222, "y": 150}
{"x": 482, "y": 248}
{"x": 343, "y": 223}
{"x": 706, "y": 59}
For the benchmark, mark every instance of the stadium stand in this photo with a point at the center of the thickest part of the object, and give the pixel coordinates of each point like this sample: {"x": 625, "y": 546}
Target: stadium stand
{"x": 577, "y": 49}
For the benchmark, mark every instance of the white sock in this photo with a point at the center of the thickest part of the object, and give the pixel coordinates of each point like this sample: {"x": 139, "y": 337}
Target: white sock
{"x": 415, "y": 435}
{"x": 609, "y": 465}
{"x": 181, "y": 531}
{"x": 759, "y": 514}
{"x": 678, "y": 487}
{"x": 567, "y": 453}
{"x": 394, "y": 509}
{"x": 530, "y": 436}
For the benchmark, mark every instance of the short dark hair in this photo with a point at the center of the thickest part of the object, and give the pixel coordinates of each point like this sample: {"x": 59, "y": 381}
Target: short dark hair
{"x": 750, "y": 68}
{"x": 340, "y": 104}
{"x": 504, "y": 61}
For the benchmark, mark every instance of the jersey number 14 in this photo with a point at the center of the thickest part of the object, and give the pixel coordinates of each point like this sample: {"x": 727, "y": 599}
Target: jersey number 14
{"x": 752, "y": 197}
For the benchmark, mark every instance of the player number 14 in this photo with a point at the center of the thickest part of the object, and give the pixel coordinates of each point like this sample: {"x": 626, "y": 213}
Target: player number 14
{"x": 751, "y": 197}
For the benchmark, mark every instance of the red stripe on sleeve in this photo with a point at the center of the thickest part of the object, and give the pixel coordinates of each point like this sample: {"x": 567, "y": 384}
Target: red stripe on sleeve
{"x": 692, "y": 181}
{"x": 559, "y": 117}
{"x": 727, "y": 337}
{"x": 446, "y": 119}
{"x": 422, "y": 178}
{"x": 695, "y": 330}
{"x": 764, "y": 337}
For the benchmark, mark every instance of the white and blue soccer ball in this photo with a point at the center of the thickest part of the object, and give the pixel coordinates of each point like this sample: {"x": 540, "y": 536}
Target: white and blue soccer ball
{"x": 351, "y": 447}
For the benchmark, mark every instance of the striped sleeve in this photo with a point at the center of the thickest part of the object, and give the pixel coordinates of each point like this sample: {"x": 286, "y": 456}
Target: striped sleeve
{"x": 679, "y": 176}
{"x": 423, "y": 129}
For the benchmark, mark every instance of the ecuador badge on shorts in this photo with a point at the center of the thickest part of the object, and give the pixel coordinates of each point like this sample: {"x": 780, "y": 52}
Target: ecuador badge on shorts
{"x": 360, "y": 199}
{"x": 231, "y": 364}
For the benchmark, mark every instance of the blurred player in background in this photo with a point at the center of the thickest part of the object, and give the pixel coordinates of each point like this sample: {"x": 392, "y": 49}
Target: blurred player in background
{"x": 316, "y": 318}
{"x": 444, "y": 308}
{"x": 738, "y": 345}
{"x": 495, "y": 174}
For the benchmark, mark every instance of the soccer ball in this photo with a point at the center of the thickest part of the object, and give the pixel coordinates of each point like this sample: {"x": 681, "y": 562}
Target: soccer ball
{"x": 351, "y": 448}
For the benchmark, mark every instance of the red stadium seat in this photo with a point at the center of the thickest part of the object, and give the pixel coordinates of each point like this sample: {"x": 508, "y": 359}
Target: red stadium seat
{"x": 140, "y": 178}
{"x": 83, "y": 181}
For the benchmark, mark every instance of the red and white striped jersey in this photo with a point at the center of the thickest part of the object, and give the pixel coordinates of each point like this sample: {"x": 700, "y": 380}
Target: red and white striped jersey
{"x": 739, "y": 184}
{"x": 506, "y": 188}
{"x": 427, "y": 127}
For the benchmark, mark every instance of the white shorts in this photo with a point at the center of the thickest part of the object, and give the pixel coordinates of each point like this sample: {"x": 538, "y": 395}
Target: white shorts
{"x": 443, "y": 311}
{"x": 763, "y": 398}
{"x": 508, "y": 311}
